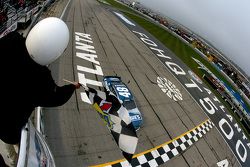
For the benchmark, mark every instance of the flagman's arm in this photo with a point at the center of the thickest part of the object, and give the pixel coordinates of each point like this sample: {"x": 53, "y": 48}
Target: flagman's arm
{"x": 59, "y": 96}
{"x": 55, "y": 95}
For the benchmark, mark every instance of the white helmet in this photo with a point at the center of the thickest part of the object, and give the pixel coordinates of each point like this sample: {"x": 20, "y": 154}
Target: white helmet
{"x": 47, "y": 40}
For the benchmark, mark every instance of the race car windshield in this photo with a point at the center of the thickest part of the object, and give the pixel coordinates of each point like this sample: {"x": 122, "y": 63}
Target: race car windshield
{"x": 129, "y": 104}
{"x": 115, "y": 80}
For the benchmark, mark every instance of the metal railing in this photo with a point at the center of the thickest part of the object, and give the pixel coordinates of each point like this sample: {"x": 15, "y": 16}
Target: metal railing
{"x": 34, "y": 151}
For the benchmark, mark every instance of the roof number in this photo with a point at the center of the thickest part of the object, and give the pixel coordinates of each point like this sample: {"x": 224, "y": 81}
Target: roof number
{"x": 123, "y": 91}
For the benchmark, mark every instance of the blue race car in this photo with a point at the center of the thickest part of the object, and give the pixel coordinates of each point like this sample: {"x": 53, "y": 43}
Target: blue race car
{"x": 122, "y": 92}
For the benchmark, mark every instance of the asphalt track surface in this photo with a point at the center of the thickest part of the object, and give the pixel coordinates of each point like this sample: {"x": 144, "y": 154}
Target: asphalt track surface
{"x": 76, "y": 134}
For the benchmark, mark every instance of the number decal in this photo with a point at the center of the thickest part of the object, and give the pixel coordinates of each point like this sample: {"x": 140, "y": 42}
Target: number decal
{"x": 123, "y": 91}
{"x": 125, "y": 94}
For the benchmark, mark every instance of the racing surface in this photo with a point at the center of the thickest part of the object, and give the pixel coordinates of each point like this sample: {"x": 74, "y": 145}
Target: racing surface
{"x": 76, "y": 134}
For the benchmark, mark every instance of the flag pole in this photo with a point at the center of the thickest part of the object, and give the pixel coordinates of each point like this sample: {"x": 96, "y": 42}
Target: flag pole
{"x": 68, "y": 81}
{"x": 71, "y": 82}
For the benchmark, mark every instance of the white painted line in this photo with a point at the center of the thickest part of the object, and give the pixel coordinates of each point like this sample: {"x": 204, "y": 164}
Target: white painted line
{"x": 124, "y": 19}
{"x": 64, "y": 10}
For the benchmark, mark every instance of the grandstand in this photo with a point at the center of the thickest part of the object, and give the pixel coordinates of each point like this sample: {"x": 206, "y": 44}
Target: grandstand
{"x": 17, "y": 14}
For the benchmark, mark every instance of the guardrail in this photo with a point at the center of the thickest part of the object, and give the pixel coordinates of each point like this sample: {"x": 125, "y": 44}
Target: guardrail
{"x": 34, "y": 151}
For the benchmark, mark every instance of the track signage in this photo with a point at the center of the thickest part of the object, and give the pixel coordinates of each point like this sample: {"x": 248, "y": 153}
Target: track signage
{"x": 86, "y": 52}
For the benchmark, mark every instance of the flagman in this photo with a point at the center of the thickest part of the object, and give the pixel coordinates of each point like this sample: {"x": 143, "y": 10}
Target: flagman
{"x": 26, "y": 81}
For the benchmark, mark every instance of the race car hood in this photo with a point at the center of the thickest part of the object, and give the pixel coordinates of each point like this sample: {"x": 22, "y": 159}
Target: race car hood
{"x": 119, "y": 94}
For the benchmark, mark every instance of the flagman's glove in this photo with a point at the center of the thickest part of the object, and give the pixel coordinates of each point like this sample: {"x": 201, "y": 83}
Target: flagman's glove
{"x": 77, "y": 85}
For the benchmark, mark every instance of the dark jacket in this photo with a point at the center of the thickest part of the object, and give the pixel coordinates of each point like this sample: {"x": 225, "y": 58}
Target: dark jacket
{"x": 25, "y": 85}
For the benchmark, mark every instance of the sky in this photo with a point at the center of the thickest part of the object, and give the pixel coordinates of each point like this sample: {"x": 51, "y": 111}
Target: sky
{"x": 224, "y": 23}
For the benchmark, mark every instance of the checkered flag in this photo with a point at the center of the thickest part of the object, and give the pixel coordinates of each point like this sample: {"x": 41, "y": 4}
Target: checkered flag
{"x": 116, "y": 118}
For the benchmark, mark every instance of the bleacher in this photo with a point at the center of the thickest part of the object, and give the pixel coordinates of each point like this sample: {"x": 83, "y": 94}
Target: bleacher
{"x": 16, "y": 15}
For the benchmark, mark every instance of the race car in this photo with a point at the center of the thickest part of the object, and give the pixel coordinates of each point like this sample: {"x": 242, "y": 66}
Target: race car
{"x": 122, "y": 92}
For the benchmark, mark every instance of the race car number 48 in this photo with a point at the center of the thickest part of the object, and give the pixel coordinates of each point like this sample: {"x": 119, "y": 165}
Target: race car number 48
{"x": 123, "y": 91}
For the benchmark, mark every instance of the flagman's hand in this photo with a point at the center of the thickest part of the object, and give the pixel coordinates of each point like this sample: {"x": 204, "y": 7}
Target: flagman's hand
{"x": 77, "y": 85}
